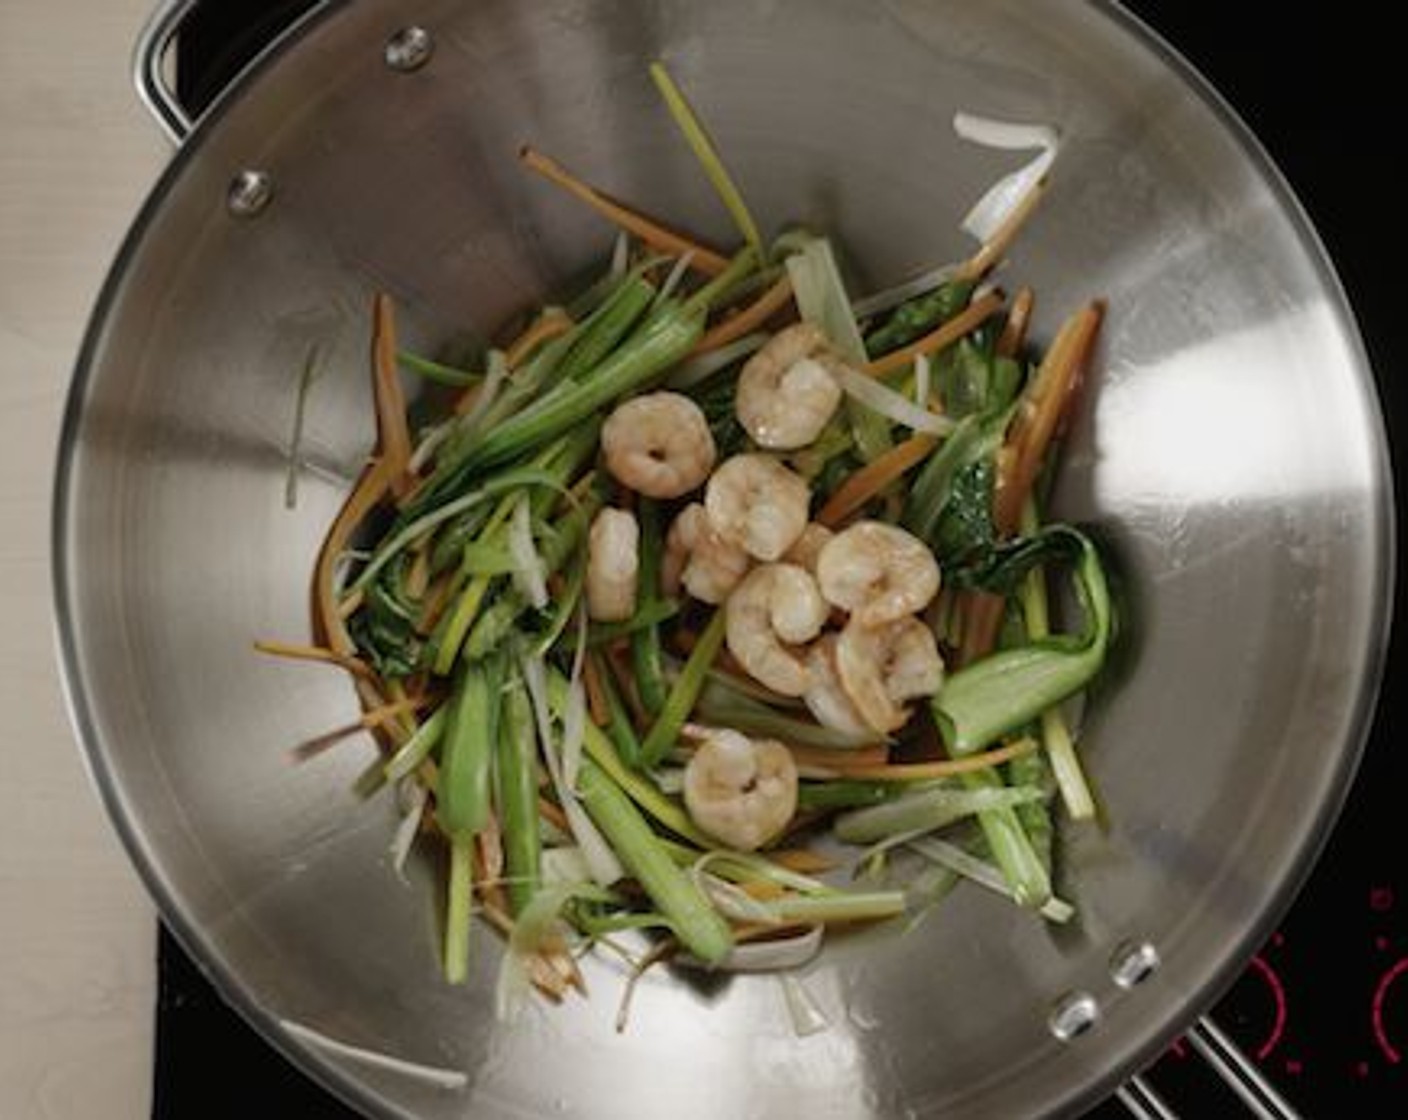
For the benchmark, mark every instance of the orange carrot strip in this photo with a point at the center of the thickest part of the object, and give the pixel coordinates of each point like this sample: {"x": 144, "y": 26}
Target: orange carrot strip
{"x": 597, "y": 705}
{"x": 804, "y": 861}
{"x": 489, "y": 868}
{"x": 946, "y": 334}
{"x": 544, "y": 328}
{"x": 553, "y": 814}
{"x": 982, "y": 619}
{"x": 874, "y": 477}
{"x": 418, "y": 578}
{"x": 839, "y": 761}
{"x": 995, "y": 248}
{"x": 547, "y": 978}
{"x": 1051, "y": 394}
{"x": 370, "y": 489}
{"x": 296, "y": 652}
{"x": 1019, "y": 317}
{"x": 762, "y": 890}
{"x": 437, "y": 598}
{"x": 751, "y": 318}
{"x": 924, "y": 771}
{"x": 657, "y": 236}
{"x": 351, "y": 603}
{"x": 393, "y": 432}
{"x": 369, "y": 720}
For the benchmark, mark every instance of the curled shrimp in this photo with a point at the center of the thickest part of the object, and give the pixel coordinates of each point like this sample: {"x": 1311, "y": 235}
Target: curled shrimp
{"x": 825, "y": 696}
{"x": 698, "y": 559}
{"x": 741, "y": 791}
{"x": 776, "y": 606}
{"x": 881, "y": 667}
{"x": 756, "y": 502}
{"x": 613, "y": 565}
{"x": 807, "y": 548}
{"x": 878, "y": 572}
{"x": 786, "y": 392}
{"x": 658, "y": 444}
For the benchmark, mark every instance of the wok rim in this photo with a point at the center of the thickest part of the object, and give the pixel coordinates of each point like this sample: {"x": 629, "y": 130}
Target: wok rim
{"x": 1226, "y": 966}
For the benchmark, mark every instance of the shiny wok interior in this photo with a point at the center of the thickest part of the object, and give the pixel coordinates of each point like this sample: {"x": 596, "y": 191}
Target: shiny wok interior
{"x": 1229, "y": 454}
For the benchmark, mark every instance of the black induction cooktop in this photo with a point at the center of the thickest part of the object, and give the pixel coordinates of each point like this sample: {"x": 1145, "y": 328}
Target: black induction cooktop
{"x": 1322, "y": 1009}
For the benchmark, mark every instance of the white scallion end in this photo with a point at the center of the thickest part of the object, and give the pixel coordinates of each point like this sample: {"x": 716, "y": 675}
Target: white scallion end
{"x": 620, "y": 255}
{"x": 605, "y": 867}
{"x": 529, "y": 571}
{"x": 981, "y": 872}
{"x": 894, "y": 406}
{"x": 803, "y": 1009}
{"x": 771, "y": 955}
{"x": 905, "y": 290}
{"x": 411, "y": 797}
{"x": 1004, "y": 196}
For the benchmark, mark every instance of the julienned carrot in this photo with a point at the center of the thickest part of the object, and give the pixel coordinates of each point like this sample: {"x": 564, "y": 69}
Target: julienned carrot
{"x": 296, "y": 651}
{"x": 805, "y": 861}
{"x": 369, "y": 720}
{"x": 1019, "y": 461}
{"x": 364, "y": 497}
{"x": 946, "y": 334}
{"x": 751, "y": 318}
{"x": 980, "y": 620}
{"x": 838, "y": 761}
{"x": 1019, "y": 317}
{"x": 944, "y": 768}
{"x": 873, "y": 478}
{"x": 657, "y": 236}
{"x": 543, "y": 329}
{"x": 1038, "y": 417}
{"x": 991, "y": 252}
{"x": 551, "y": 812}
{"x": 551, "y": 971}
{"x": 393, "y": 431}
{"x": 598, "y": 707}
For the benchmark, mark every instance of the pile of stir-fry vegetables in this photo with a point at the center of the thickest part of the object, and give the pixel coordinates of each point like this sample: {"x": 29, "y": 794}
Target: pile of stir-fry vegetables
{"x": 716, "y": 606}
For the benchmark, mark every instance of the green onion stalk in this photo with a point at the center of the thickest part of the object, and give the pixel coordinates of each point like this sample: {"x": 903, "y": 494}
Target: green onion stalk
{"x": 463, "y": 806}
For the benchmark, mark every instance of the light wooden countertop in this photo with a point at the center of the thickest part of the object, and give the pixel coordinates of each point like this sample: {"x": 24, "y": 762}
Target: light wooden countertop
{"x": 77, "y": 932}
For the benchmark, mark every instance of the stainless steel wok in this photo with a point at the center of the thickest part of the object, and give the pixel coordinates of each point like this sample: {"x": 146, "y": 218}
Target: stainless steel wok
{"x": 1231, "y": 454}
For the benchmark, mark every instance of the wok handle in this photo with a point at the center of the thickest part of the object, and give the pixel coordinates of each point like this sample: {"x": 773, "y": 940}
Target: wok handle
{"x": 149, "y": 67}
{"x": 1237, "y": 1070}
{"x": 1229, "y": 1063}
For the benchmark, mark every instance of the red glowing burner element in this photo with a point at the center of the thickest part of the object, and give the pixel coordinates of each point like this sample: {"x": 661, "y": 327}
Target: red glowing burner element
{"x": 1381, "y": 899}
{"x": 1380, "y": 999}
{"x": 1278, "y": 999}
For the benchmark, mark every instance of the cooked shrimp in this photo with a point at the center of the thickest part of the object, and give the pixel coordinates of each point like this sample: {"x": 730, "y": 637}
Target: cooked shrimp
{"x": 775, "y": 606}
{"x": 659, "y": 445}
{"x": 806, "y": 548}
{"x": 756, "y": 502}
{"x": 825, "y": 697}
{"x": 878, "y": 572}
{"x": 741, "y": 791}
{"x": 880, "y": 667}
{"x": 613, "y": 565}
{"x": 699, "y": 559}
{"x": 786, "y": 392}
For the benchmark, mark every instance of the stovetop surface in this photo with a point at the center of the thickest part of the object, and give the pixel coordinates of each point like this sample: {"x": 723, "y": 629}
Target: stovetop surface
{"x": 1323, "y": 1007}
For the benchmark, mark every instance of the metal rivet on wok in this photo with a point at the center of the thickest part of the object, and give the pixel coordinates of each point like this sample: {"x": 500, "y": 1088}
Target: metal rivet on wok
{"x": 409, "y": 49}
{"x": 249, "y": 192}
{"x": 1133, "y": 962}
{"x": 1073, "y": 1015}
